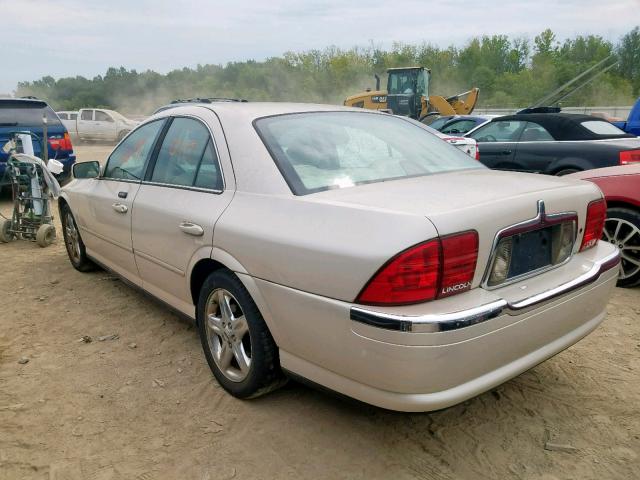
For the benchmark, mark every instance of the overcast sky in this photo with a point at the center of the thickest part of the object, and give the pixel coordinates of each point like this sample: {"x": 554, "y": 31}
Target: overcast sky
{"x": 85, "y": 37}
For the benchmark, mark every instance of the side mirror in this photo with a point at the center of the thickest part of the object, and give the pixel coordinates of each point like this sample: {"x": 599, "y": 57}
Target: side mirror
{"x": 86, "y": 170}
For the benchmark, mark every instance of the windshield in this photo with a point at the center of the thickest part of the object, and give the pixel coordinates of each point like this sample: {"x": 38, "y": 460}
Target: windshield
{"x": 26, "y": 114}
{"x": 325, "y": 150}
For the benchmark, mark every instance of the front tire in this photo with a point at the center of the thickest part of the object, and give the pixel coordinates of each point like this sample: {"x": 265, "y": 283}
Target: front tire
{"x": 622, "y": 229}
{"x": 236, "y": 341}
{"x": 73, "y": 242}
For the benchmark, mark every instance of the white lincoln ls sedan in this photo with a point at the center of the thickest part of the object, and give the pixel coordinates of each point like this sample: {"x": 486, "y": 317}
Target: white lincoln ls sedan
{"x": 350, "y": 248}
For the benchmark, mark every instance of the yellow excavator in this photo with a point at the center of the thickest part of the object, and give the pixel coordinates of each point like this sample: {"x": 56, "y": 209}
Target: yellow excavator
{"x": 407, "y": 94}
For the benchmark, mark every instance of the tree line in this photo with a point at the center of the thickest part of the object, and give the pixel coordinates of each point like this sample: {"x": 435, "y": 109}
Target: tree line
{"x": 511, "y": 72}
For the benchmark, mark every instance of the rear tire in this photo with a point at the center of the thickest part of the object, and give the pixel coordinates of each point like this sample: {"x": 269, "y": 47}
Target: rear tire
{"x": 236, "y": 341}
{"x": 622, "y": 229}
{"x": 73, "y": 242}
{"x": 46, "y": 235}
{"x": 5, "y": 235}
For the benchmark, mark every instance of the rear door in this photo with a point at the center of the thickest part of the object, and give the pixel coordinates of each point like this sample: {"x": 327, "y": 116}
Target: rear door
{"x": 498, "y": 141}
{"x": 85, "y": 124}
{"x": 104, "y": 216}
{"x": 174, "y": 213}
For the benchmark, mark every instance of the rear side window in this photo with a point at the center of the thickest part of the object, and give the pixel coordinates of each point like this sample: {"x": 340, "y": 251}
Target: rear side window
{"x": 63, "y": 116}
{"x": 209, "y": 175}
{"x": 602, "y": 128}
{"x": 182, "y": 150}
{"x": 86, "y": 115}
{"x": 103, "y": 117}
{"x": 501, "y": 131}
{"x": 128, "y": 160}
{"x": 73, "y": 116}
{"x": 21, "y": 113}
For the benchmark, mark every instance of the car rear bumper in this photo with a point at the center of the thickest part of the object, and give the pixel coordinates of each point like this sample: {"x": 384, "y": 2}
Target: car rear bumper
{"x": 436, "y": 355}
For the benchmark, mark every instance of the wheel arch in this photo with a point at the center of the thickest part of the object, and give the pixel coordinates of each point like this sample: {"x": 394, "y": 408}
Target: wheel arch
{"x": 221, "y": 259}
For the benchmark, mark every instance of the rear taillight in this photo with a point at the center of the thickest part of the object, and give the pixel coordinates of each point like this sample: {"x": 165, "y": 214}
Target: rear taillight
{"x": 63, "y": 143}
{"x": 629, "y": 156}
{"x": 477, "y": 153}
{"x": 596, "y": 213}
{"x": 438, "y": 268}
{"x": 459, "y": 257}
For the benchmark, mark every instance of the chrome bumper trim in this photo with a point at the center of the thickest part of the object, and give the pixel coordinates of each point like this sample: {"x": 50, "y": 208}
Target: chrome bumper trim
{"x": 442, "y": 322}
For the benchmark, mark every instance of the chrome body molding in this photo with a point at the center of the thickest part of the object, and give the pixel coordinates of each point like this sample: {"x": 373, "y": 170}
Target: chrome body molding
{"x": 433, "y": 323}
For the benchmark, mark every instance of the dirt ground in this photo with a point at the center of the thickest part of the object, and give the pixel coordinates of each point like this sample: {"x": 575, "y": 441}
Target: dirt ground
{"x": 144, "y": 405}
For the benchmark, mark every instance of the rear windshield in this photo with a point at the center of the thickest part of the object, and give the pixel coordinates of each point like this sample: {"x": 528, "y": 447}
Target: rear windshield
{"x": 21, "y": 114}
{"x": 600, "y": 127}
{"x": 324, "y": 150}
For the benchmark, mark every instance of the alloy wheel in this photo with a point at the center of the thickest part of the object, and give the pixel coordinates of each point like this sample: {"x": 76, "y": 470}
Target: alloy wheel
{"x": 228, "y": 335}
{"x": 626, "y": 236}
{"x": 72, "y": 238}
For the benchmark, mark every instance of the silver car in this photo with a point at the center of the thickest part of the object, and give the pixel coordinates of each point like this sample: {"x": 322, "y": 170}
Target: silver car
{"x": 348, "y": 247}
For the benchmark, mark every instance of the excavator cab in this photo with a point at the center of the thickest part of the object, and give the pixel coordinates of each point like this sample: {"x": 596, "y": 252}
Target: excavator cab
{"x": 406, "y": 89}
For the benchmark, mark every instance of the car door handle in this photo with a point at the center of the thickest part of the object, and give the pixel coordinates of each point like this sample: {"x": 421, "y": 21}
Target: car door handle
{"x": 191, "y": 229}
{"x": 505, "y": 152}
{"x": 120, "y": 208}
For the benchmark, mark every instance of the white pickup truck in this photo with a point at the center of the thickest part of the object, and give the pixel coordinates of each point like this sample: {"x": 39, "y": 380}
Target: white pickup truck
{"x": 97, "y": 124}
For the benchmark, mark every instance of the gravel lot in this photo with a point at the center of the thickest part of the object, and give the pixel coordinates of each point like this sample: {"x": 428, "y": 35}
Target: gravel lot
{"x": 143, "y": 405}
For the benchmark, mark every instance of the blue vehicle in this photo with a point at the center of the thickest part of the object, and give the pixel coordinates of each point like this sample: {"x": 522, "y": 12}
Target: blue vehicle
{"x": 26, "y": 114}
{"x": 632, "y": 125}
{"x": 459, "y": 124}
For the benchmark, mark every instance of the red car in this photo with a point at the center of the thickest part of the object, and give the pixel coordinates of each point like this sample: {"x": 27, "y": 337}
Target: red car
{"x": 621, "y": 188}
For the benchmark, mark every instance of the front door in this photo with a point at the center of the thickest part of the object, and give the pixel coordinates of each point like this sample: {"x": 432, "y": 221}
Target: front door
{"x": 175, "y": 211}
{"x": 105, "y": 126}
{"x": 497, "y": 142}
{"x": 105, "y": 217}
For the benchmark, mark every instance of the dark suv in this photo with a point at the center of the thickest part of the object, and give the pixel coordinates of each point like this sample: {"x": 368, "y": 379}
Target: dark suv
{"x": 26, "y": 114}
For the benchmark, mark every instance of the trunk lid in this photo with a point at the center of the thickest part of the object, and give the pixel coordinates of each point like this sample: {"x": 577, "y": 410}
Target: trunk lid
{"x": 483, "y": 200}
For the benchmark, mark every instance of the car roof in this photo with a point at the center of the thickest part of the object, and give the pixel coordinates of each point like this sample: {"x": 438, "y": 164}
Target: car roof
{"x": 249, "y": 111}
{"x": 562, "y": 126}
{"x": 34, "y": 102}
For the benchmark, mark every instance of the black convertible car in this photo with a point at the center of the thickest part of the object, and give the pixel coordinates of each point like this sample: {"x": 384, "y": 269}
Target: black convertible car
{"x": 553, "y": 143}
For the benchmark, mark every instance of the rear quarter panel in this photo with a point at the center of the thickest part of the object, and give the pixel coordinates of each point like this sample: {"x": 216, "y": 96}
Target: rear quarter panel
{"x": 329, "y": 250}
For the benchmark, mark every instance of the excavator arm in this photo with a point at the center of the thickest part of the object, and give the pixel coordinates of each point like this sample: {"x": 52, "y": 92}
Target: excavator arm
{"x": 460, "y": 104}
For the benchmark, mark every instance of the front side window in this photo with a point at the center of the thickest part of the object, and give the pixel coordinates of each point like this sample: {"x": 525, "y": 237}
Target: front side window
{"x": 86, "y": 115}
{"x": 103, "y": 117}
{"x": 128, "y": 160}
{"x": 501, "y": 131}
{"x": 325, "y": 150}
{"x": 402, "y": 82}
{"x": 182, "y": 150}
